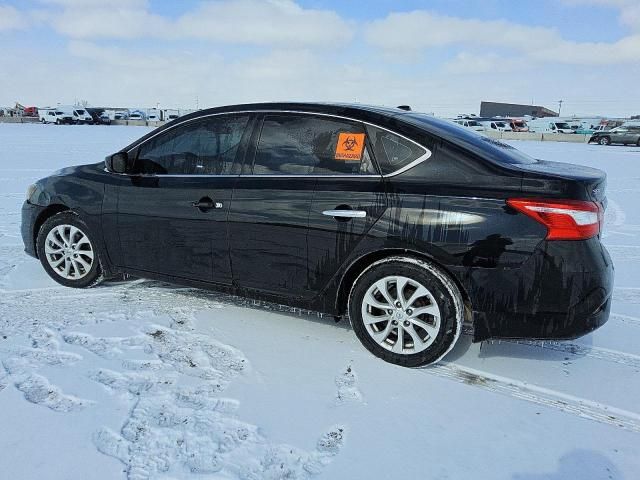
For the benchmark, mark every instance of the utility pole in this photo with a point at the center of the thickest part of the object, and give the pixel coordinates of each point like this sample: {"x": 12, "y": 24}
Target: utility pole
{"x": 559, "y": 107}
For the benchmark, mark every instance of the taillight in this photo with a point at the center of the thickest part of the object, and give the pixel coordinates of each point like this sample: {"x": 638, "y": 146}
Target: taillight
{"x": 564, "y": 219}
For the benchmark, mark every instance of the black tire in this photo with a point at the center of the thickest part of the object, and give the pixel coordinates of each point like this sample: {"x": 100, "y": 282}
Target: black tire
{"x": 90, "y": 278}
{"x": 604, "y": 141}
{"x": 58, "y": 122}
{"x": 444, "y": 291}
{"x": 638, "y": 143}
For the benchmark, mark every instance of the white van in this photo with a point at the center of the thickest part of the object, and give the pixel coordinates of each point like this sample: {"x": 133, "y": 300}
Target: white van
{"x": 549, "y": 125}
{"x": 471, "y": 124}
{"x": 154, "y": 115}
{"x": 47, "y": 115}
{"x": 496, "y": 125}
{"x": 170, "y": 114}
{"x": 80, "y": 115}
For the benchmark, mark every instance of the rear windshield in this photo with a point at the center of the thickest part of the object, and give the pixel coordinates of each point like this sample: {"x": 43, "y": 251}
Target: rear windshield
{"x": 489, "y": 148}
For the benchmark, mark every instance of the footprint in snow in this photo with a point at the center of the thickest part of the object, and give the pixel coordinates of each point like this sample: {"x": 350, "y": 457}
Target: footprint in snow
{"x": 38, "y": 390}
{"x": 347, "y": 383}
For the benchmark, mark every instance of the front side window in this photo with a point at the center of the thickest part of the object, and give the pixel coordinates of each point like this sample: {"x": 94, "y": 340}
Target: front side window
{"x": 202, "y": 147}
{"x": 298, "y": 144}
{"x": 391, "y": 151}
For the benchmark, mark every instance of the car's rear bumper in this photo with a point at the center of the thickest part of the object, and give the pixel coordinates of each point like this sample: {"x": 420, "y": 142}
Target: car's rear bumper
{"x": 563, "y": 292}
{"x": 30, "y": 214}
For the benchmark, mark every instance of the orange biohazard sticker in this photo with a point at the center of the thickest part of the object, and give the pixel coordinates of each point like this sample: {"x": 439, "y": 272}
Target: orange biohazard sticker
{"x": 350, "y": 146}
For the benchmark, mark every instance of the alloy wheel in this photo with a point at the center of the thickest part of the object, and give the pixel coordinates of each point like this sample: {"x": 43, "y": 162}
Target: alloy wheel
{"x": 69, "y": 252}
{"x": 401, "y": 315}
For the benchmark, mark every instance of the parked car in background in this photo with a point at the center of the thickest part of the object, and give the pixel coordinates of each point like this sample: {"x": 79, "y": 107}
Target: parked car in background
{"x": 408, "y": 224}
{"x": 121, "y": 115}
{"x": 496, "y": 125}
{"x": 518, "y": 125}
{"x": 82, "y": 116}
{"x": 154, "y": 115}
{"x": 136, "y": 115}
{"x": 625, "y": 135}
{"x": 170, "y": 114}
{"x": 63, "y": 117}
{"x": 104, "y": 119}
{"x": 47, "y": 115}
{"x": 548, "y": 125}
{"x": 470, "y": 124}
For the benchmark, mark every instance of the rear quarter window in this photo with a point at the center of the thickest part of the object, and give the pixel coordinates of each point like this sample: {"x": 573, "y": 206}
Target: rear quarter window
{"x": 393, "y": 152}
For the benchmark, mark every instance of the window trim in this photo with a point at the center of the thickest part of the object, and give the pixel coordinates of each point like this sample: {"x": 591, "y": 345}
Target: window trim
{"x": 409, "y": 166}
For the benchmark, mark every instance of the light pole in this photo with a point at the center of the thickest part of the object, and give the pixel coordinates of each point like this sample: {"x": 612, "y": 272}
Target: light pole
{"x": 559, "y": 107}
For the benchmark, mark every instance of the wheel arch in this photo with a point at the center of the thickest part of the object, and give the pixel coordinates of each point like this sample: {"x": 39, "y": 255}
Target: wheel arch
{"x": 45, "y": 215}
{"x": 355, "y": 269}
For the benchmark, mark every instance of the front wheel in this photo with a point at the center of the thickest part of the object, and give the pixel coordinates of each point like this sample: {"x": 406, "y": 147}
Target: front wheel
{"x": 604, "y": 141}
{"x": 406, "y": 311}
{"x": 67, "y": 251}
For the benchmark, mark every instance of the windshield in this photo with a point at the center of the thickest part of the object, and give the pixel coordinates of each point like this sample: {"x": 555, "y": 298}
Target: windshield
{"x": 59, "y": 113}
{"x": 80, "y": 112}
{"x": 500, "y": 124}
{"x": 563, "y": 125}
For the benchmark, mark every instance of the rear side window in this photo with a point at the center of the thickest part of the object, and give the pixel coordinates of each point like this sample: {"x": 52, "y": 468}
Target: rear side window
{"x": 203, "y": 147}
{"x": 391, "y": 151}
{"x": 298, "y": 144}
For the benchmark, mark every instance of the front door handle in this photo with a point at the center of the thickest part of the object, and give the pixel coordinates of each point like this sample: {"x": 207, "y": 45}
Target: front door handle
{"x": 345, "y": 213}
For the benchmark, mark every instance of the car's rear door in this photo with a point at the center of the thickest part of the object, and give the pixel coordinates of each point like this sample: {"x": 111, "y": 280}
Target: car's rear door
{"x": 172, "y": 212}
{"x": 281, "y": 220}
{"x": 345, "y": 207}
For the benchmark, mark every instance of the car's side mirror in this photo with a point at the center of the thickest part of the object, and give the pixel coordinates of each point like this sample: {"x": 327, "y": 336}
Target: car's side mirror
{"x": 118, "y": 162}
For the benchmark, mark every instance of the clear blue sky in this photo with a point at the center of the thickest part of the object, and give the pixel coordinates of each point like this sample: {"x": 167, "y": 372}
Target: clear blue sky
{"x": 440, "y": 56}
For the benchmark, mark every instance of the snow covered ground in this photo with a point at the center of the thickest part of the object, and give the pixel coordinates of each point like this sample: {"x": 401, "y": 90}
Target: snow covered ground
{"x": 145, "y": 380}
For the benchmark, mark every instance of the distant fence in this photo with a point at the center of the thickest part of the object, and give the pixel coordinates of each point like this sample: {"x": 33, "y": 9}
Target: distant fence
{"x": 138, "y": 123}
{"x": 540, "y": 137}
{"x": 8, "y": 119}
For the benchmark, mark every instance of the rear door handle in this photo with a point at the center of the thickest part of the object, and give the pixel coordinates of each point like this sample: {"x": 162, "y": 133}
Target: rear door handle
{"x": 345, "y": 213}
{"x": 206, "y": 204}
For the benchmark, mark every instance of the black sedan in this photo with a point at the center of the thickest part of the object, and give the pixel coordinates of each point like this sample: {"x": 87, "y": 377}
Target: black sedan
{"x": 407, "y": 225}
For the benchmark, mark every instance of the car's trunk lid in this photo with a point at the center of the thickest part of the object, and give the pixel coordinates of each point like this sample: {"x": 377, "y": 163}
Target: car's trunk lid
{"x": 563, "y": 180}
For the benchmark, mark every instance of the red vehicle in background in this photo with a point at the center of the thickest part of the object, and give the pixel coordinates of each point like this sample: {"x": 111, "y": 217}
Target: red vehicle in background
{"x": 518, "y": 125}
{"x": 30, "y": 112}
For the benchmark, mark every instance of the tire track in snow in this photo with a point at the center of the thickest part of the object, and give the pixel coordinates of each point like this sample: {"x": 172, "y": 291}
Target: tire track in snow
{"x": 566, "y": 403}
{"x": 627, "y": 295}
{"x": 628, "y": 319}
{"x": 576, "y": 349}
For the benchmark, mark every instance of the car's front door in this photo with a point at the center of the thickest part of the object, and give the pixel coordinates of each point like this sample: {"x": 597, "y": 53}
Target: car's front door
{"x": 172, "y": 209}
{"x": 279, "y": 219}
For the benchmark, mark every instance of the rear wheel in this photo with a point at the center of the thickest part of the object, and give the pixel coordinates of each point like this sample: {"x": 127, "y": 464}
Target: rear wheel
{"x": 406, "y": 311}
{"x": 604, "y": 141}
{"x": 67, "y": 252}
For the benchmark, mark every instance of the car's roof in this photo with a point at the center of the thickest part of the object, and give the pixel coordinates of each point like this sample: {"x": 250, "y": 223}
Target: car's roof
{"x": 411, "y": 124}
